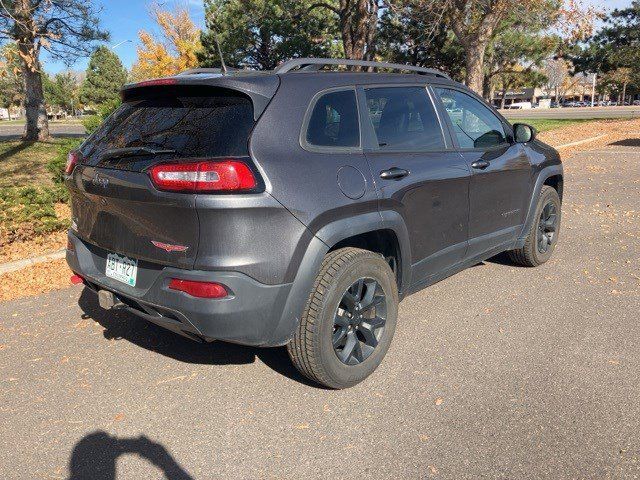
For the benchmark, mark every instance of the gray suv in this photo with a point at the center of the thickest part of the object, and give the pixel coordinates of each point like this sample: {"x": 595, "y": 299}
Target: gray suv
{"x": 298, "y": 206}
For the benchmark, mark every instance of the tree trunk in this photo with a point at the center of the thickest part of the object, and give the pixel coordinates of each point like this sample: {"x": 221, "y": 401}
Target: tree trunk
{"x": 624, "y": 93}
{"x": 358, "y": 28}
{"x": 37, "y": 125}
{"x": 474, "y": 61}
{"x": 503, "y": 99}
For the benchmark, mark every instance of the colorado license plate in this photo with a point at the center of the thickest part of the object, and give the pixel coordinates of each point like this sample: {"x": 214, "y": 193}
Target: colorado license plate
{"x": 122, "y": 269}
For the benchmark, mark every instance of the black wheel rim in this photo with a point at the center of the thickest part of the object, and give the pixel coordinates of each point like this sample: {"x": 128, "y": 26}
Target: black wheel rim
{"x": 359, "y": 321}
{"x": 547, "y": 227}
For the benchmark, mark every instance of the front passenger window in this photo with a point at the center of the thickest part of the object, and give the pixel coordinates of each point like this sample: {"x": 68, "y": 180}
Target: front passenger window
{"x": 474, "y": 124}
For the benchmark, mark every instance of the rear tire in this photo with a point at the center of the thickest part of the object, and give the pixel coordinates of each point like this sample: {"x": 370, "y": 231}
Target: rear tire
{"x": 543, "y": 234}
{"x": 348, "y": 321}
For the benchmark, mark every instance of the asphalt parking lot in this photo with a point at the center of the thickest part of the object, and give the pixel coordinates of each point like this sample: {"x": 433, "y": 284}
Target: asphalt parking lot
{"x": 14, "y": 131}
{"x": 498, "y": 372}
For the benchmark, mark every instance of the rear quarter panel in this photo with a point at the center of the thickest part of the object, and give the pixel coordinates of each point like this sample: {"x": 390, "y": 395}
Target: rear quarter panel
{"x": 305, "y": 182}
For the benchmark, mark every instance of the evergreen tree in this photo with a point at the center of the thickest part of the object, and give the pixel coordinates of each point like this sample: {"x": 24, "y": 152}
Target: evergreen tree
{"x": 105, "y": 78}
{"x": 263, "y": 33}
{"x": 615, "y": 52}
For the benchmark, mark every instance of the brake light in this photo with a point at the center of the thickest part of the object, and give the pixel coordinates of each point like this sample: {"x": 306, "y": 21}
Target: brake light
{"x": 198, "y": 289}
{"x": 73, "y": 158}
{"x": 203, "y": 176}
{"x": 157, "y": 81}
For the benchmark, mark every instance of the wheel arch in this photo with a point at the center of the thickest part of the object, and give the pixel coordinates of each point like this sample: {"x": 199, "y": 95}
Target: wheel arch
{"x": 553, "y": 176}
{"x": 366, "y": 229}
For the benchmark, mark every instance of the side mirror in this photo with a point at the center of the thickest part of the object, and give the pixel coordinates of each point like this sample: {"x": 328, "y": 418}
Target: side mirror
{"x": 524, "y": 133}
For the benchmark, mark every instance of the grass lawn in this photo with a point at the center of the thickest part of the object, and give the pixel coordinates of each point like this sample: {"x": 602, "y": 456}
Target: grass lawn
{"x": 546, "y": 124}
{"x": 32, "y": 197}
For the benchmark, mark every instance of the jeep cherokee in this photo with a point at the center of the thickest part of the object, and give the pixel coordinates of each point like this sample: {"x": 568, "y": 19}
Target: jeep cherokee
{"x": 298, "y": 206}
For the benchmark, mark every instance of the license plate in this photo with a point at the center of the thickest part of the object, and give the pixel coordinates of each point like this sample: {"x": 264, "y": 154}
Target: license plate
{"x": 122, "y": 269}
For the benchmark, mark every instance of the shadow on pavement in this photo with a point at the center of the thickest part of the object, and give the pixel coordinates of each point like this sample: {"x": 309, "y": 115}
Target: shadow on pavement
{"x": 95, "y": 455}
{"x": 12, "y": 151}
{"x": 627, "y": 142}
{"x": 501, "y": 259}
{"x": 123, "y": 325}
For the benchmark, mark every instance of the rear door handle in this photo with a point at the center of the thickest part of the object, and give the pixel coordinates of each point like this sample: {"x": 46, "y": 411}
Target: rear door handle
{"x": 480, "y": 164}
{"x": 394, "y": 173}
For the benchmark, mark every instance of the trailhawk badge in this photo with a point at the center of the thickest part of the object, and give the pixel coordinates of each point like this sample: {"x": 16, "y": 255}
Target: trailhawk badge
{"x": 170, "y": 248}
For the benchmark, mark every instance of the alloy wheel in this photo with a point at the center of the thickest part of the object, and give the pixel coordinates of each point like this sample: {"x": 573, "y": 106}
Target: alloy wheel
{"x": 547, "y": 227}
{"x": 359, "y": 321}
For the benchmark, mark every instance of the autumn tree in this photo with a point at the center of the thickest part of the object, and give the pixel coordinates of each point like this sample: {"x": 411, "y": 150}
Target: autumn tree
{"x": 66, "y": 29}
{"x": 477, "y": 22}
{"x": 105, "y": 77}
{"x": 11, "y": 83}
{"x": 517, "y": 52}
{"x": 261, "y": 34}
{"x": 176, "y": 49}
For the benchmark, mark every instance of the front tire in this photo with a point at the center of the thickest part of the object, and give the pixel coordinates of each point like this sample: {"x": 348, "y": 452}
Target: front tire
{"x": 543, "y": 235}
{"x": 348, "y": 321}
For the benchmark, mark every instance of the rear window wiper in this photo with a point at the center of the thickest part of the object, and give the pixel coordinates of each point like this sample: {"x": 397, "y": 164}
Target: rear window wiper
{"x": 133, "y": 152}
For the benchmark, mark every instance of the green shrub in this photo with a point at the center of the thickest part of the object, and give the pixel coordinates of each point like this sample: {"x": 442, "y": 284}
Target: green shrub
{"x": 92, "y": 122}
{"x": 28, "y": 210}
{"x": 57, "y": 163}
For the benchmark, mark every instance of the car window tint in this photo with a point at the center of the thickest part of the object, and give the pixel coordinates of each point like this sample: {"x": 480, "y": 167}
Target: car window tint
{"x": 334, "y": 121}
{"x": 474, "y": 124}
{"x": 194, "y": 126}
{"x": 404, "y": 118}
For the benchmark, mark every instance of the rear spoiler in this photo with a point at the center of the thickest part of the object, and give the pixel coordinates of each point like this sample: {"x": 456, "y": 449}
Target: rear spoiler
{"x": 260, "y": 88}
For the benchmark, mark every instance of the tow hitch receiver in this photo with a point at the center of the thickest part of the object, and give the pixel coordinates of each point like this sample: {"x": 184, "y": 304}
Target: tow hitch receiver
{"x": 108, "y": 300}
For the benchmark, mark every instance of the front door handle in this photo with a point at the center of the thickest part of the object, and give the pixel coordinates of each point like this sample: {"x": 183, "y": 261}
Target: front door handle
{"x": 394, "y": 173}
{"x": 480, "y": 164}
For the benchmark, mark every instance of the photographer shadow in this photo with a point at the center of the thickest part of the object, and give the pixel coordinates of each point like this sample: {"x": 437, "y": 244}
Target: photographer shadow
{"x": 95, "y": 455}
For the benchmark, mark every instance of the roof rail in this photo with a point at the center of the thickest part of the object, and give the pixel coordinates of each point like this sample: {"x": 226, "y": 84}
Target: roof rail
{"x": 196, "y": 71}
{"x": 314, "y": 64}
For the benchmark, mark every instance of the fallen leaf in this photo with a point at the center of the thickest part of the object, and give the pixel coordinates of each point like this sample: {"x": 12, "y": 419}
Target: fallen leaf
{"x": 439, "y": 401}
{"x": 302, "y": 426}
{"x": 119, "y": 417}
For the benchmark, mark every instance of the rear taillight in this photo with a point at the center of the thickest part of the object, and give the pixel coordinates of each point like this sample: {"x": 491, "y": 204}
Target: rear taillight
{"x": 198, "y": 289}
{"x": 73, "y": 158}
{"x": 76, "y": 279}
{"x": 203, "y": 176}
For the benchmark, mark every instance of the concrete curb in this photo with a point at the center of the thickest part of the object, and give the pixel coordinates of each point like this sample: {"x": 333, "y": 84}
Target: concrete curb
{"x": 581, "y": 142}
{"x": 18, "y": 264}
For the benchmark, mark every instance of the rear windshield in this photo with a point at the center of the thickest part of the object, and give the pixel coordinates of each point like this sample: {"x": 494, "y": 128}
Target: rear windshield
{"x": 191, "y": 125}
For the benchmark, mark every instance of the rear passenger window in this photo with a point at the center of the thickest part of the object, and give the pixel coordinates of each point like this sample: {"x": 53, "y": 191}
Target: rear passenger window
{"x": 404, "y": 119}
{"x": 334, "y": 121}
{"x": 474, "y": 124}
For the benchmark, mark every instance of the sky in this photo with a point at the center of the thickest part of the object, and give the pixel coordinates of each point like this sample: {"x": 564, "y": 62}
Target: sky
{"x": 124, "y": 18}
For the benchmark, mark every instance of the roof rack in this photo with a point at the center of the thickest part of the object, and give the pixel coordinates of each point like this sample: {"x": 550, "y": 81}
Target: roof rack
{"x": 315, "y": 64}
{"x": 196, "y": 71}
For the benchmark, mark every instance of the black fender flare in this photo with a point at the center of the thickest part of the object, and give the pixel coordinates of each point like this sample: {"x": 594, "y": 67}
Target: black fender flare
{"x": 320, "y": 244}
{"x": 544, "y": 174}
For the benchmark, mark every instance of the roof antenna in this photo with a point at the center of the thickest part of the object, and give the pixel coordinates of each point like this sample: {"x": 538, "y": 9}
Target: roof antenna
{"x": 223, "y": 67}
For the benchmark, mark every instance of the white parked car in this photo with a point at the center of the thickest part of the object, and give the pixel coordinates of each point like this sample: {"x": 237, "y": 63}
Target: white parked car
{"x": 519, "y": 106}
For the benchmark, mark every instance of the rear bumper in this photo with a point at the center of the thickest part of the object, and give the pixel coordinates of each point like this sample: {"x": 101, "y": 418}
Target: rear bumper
{"x": 250, "y": 315}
